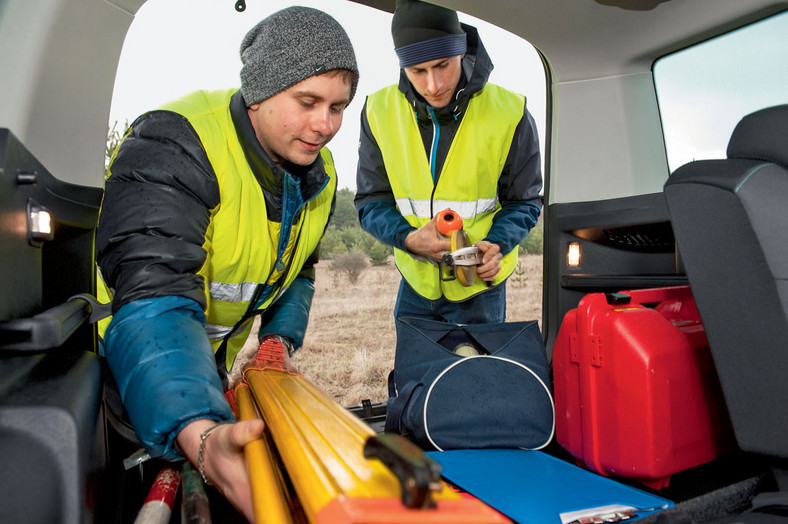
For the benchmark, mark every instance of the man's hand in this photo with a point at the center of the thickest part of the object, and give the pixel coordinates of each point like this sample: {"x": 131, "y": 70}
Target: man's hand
{"x": 223, "y": 457}
{"x": 491, "y": 260}
{"x": 428, "y": 242}
{"x": 248, "y": 355}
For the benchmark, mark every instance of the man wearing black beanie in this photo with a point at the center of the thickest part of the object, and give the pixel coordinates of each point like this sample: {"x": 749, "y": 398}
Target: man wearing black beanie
{"x": 446, "y": 138}
{"x": 212, "y": 214}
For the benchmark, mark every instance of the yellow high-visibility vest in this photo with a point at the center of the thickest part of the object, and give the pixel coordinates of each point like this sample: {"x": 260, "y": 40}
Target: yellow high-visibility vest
{"x": 468, "y": 182}
{"x": 240, "y": 242}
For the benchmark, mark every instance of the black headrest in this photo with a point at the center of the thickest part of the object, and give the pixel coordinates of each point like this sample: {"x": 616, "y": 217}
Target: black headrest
{"x": 762, "y": 135}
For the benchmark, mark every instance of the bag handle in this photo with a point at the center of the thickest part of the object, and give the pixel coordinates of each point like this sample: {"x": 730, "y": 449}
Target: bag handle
{"x": 397, "y": 404}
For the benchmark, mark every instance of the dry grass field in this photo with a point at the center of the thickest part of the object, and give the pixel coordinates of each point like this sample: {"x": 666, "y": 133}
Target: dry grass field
{"x": 349, "y": 346}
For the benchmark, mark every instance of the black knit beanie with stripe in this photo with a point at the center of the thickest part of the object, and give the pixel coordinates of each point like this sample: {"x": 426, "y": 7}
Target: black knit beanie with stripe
{"x": 424, "y": 32}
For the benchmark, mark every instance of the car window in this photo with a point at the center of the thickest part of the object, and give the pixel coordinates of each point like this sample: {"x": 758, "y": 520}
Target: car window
{"x": 704, "y": 90}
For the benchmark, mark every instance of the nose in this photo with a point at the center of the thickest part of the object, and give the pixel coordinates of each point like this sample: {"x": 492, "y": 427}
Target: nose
{"x": 323, "y": 122}
{"x": 433, "y": 83}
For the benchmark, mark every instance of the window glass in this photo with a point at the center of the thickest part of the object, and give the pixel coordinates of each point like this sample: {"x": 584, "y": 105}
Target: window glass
{"x": 703, "y": 91}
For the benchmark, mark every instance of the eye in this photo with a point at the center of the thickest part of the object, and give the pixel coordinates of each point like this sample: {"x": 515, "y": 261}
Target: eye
{"x": 306, "y": 100}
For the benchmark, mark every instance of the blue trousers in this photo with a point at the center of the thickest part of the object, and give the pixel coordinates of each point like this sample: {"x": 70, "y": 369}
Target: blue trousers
{"x": 488, "y": 306}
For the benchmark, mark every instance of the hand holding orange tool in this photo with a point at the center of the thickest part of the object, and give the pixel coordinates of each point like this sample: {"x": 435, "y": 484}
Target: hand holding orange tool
{"x": 463, "y": 259}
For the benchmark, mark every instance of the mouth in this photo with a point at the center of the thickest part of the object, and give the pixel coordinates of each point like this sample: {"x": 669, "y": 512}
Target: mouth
{"x": 439, "y": 96}
{"x": 311, "y": 146}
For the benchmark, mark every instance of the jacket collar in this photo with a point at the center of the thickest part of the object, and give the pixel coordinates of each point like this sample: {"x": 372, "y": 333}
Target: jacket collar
{"x": 476, "y": 69}
{"x": 269, "y": 175}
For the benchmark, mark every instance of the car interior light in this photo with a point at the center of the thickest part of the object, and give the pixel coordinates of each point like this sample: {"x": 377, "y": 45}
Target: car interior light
{"x": 39, "y": 224}
{"x": 573, "y": 254}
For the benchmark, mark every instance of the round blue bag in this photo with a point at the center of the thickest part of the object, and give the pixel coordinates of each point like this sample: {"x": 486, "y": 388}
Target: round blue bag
{"x": 498, "y": 396}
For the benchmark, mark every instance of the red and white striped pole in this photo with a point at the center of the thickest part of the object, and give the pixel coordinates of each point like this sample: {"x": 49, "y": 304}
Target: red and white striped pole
{"x": 157, "y": 507}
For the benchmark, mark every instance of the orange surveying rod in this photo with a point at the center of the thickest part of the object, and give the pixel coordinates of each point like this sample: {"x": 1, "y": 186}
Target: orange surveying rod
{"x": 340, "y": 469}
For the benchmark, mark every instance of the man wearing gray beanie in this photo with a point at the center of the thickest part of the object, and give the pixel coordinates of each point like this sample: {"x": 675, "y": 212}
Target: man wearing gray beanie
{"x": 213, "y": 209}
{"x": 445, "y": 137}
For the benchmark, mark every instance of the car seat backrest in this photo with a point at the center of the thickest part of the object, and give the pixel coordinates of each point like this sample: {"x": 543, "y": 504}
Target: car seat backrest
{"x": 730, "y": 220}
{"x": 762, "y": 135}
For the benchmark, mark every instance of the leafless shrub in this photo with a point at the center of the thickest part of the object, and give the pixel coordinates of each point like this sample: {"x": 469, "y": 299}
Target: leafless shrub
{"x": 352, "y": 264}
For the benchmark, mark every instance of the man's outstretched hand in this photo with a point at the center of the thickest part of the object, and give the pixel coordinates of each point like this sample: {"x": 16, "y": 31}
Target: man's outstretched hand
{"x": 224, "y": 464}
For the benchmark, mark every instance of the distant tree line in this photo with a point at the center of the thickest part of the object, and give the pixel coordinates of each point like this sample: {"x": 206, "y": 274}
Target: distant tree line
{"x": 344, "y": 233}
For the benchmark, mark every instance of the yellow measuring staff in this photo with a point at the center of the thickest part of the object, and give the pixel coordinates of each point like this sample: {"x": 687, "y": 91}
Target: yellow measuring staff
{"x": 271, "y": 504}
{"x": 323, "y": 448}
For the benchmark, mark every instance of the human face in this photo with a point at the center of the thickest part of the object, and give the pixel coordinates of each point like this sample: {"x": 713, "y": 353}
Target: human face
{"x": 437, "y": 79}
{"x": 295, "y": 124}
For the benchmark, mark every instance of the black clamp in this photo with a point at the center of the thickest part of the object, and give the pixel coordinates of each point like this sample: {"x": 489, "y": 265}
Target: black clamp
{"x": 419, "y": 475}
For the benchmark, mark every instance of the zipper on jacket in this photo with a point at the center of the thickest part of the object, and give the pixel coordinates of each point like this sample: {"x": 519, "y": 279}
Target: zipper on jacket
{"x": 435, "y": 138}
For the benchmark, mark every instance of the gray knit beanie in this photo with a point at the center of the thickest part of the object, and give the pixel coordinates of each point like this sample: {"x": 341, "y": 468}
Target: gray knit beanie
{"x": 289, "y": 46}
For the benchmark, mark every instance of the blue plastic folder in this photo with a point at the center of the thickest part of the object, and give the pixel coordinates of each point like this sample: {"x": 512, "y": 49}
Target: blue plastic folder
{"x": 532, "y": 487}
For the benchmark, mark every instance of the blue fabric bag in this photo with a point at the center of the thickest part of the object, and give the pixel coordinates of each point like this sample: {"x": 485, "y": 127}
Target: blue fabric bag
{"x": 498, "y": 398}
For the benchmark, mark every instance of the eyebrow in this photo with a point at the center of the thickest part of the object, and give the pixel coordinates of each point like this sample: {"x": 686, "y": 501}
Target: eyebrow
{"x": 316, "y": 97}
{"x": 414, "y": 68}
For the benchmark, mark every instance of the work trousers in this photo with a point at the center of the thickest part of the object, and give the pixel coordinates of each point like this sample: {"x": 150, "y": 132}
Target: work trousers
{"x": 487, "y": 306}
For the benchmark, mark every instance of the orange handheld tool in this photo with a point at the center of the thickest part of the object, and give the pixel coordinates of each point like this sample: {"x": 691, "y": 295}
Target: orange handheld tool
{"x": 448, "y": 221}
{"x": 461, "y": 262}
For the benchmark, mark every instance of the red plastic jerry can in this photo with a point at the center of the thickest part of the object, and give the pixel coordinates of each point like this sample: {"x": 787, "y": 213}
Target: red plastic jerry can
{"x": 636, "y": 390}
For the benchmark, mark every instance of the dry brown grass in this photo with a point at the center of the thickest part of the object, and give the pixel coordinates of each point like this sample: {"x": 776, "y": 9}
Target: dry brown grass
{"x": 349, "y": 346}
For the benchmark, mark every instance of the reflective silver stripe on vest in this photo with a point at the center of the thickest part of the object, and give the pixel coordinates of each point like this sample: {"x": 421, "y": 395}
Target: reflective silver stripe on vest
{"x": 467, "y": 209}
{"x": 217, "y": 332}
{"x": 245, "y": 291}
{"x": 232, "y": 292}
{"x": 225, "y": 292}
